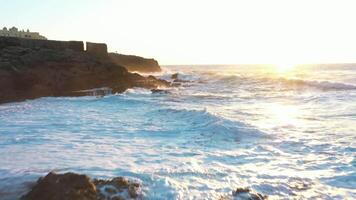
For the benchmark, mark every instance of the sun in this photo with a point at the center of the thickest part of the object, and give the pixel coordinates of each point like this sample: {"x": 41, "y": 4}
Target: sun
{"x": 285, "y": 66}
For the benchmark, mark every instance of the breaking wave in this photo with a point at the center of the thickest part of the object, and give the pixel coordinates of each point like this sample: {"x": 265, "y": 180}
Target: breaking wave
{"x": 206, "y": 124}
{"x": 322, "y": 85}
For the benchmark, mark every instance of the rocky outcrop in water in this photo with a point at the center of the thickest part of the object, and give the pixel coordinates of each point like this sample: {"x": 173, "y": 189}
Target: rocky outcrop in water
{"x": 247, "y": 194}
{"x": 71, "y": 186}
{"x": 32, "y": 72}
{"x": 244, "y": 194}
{"x": 135, "y": 63}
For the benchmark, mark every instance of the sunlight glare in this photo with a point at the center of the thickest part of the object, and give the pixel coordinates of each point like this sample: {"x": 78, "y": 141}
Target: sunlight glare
{"x": 284, "y": 115}
{"x": 284, "y": 67}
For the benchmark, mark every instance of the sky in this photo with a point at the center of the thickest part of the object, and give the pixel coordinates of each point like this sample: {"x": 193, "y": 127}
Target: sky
{"x": 199, "y": 31}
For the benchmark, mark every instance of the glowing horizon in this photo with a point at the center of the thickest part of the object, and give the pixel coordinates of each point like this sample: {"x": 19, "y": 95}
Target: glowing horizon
{"x": 199, "y": 32}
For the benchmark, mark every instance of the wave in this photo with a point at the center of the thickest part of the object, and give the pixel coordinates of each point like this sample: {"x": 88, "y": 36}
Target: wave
{"x": 279, "y": 81}
{"x": 137, "y": 91}
{"x": 322, "y": 85}
{"x": 206, "y": 125}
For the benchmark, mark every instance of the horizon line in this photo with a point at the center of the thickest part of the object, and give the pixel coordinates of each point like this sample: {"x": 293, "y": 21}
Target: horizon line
{"x": 299, "y": 64}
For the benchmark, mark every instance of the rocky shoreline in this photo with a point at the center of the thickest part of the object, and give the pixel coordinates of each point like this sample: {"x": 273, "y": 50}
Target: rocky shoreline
{"x": 30, "y": 70}
{"x": 72, "y": 186}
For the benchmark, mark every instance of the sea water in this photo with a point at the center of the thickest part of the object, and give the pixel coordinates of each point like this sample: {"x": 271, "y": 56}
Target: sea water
{"x": 288, "y": 134}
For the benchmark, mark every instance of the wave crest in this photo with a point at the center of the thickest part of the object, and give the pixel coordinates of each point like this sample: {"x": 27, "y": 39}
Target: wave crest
{"x": 322, "y": 85}
{"x": 207, "y": 125}
{"x": 284, "y": 82}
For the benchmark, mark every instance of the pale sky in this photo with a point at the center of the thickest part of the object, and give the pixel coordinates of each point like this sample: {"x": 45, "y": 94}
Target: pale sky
{"x": 199, "y": 31}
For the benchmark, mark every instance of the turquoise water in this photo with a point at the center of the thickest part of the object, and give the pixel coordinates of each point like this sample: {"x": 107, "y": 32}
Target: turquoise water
{"x": 286, "y": 134}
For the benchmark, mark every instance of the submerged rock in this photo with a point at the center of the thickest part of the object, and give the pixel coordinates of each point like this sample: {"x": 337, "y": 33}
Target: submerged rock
{"x": 71, "y": 186}
{"x": 119, "y": 188}
{"x": 159, "y": 91}
{"x": 177, "y": 81}
{"x": 174, "y": 76}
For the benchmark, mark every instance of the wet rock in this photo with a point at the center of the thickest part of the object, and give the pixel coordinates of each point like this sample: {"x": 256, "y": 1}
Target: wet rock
{"x": 68, "y": 186}
{"x": 110, "y": 190}
{"x": 120, "y": 182}
{"x": 242, "y": 190}
{"x": 71, "y": 186}
{"x": 175, "y": 84}
{"x": 298, "y": 184}
{"x": 174, "y": 76}
{"x": 117, "y": 188}
{"x": 177, "y": 81}
{"x": 180, "y": 81}
{"x": 159, "y": 91}
{"x": 247, "y": 194}
{"x": 134, "y": 190}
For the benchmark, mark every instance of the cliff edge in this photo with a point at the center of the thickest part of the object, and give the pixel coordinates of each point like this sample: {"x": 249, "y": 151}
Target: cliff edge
{"x": 35, "y": 69}
{"x": 135, "y": 63}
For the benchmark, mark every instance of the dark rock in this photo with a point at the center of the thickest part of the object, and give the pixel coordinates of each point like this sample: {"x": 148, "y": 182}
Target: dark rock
{"x": 120, "y": 182}
{"x": 247, "y": 194}
{"x": 174, "y": 76}
{"x": 177, "y": 80}
{"x": 70, "y": 186}
{"x": 114, "y": 187}
{"x": 27, "y": 73}
{"x": 242, "y": 190}
{"x": 38, "y": 44}
{"x": 97, "y": 49}
{"x": 110, "y": 190}
{"x": 67, "y": 186}
{"x": 134, "y": 190}
{"x": 159, "y": 91}
{"x": 180, "y": 81}
{"x": 176, "y": 84}
{"x": 135, "y": 63}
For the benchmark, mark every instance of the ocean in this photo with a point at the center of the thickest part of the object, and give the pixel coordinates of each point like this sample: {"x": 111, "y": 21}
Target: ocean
{"x": 288, "y": 134}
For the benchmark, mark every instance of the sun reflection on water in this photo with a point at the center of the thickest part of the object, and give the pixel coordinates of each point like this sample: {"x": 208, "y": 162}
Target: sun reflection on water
{"x": 282, "y": 115}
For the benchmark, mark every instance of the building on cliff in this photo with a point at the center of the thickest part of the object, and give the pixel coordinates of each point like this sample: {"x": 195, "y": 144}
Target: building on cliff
{"x": 14, "y": 32}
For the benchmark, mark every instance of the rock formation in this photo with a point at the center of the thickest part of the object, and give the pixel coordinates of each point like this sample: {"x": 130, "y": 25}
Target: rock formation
{"x": 248, "y": 194}
{"x": 135, "y": 63}
{"x": 32, "y": 72}
{"x": 97, "y": 49}
{"x": 46, "y": 44}
{"x": 71, "y": 186}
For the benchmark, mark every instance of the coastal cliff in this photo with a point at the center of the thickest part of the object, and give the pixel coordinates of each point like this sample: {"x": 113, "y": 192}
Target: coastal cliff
{"x": 32, "y": 69}
{"x": 135, "y": 63}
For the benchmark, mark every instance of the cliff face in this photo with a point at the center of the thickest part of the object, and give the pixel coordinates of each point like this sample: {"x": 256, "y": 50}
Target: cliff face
{"x": 135, "y": 63}
{"x": 46, "y": 44}
{"x": 27, "y": 73}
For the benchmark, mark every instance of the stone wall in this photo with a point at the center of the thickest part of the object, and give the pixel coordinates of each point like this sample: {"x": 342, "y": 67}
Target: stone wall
{"x": 47, "y": 44}
{"x": 97, "y": 49}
